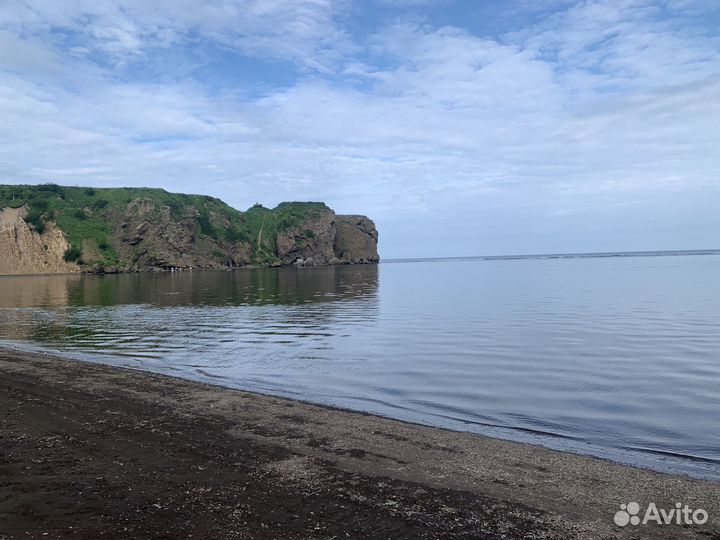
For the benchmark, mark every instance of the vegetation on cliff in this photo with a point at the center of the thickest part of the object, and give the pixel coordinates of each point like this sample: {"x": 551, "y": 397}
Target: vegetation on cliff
{"x": 134, "y": 228}
{"x": 264, "y": 224}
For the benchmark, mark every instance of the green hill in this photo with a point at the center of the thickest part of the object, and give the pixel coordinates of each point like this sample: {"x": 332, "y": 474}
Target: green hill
{"x": 139, "y": 228}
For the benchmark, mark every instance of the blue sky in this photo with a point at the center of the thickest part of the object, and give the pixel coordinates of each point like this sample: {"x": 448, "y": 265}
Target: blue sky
{"x": 462, "y": 127}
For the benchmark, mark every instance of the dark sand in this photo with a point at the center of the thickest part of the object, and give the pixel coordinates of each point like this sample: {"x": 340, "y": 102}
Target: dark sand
{"x": 89, "y": 451}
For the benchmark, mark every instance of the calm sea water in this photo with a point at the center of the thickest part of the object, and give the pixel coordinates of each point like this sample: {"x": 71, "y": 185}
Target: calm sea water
{"x": 615, "y": 356}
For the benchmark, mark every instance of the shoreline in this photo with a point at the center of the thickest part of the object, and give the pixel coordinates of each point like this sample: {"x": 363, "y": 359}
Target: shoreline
{"x": 89, "y": 450}
{"x": 173, "y": 270}
{"x": 540, "y": 441}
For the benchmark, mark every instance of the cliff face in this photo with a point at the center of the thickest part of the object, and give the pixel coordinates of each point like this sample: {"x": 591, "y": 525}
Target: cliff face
{"x": 356, "y": 236}
{"x": 147, "y": 236}
{"x": 24, "y": 251}
{"x": 329, "y": 239}
{"x": 55, "y": 229}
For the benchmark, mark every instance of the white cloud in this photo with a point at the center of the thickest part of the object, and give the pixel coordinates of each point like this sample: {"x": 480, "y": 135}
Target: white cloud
{"x": 303, "y": 31}
{"x": 610, "y": 100}
{"x": 623, "y": 45}
{"x": 412, "y": 3}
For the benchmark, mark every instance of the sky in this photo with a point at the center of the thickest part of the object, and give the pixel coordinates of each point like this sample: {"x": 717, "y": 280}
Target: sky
{"x": 462, "y": 127}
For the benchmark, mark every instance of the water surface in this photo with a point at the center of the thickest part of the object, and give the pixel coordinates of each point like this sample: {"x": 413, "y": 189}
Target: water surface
{"x": 612, "y": 356}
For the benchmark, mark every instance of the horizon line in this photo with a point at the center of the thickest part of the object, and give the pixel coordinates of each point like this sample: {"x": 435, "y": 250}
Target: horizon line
{"x": 638, "y": 253}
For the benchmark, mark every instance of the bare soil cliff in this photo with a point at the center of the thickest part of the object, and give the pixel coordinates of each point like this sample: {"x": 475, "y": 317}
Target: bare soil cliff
{"x": 25, "y": 251}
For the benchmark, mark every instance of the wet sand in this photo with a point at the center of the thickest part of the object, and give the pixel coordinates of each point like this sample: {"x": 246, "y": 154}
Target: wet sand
{"x": 90, "y": 451}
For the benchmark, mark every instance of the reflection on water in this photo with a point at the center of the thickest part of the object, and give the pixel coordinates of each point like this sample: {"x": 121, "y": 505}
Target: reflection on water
{"x": 250, "y": 286}
{"x": 32, "y": 291}
{"x": 171, "y": 317}
{"x": 616, "y": 357}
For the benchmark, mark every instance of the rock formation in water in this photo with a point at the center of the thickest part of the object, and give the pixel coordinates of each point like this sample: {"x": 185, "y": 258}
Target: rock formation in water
{"x": 50, "y": 229}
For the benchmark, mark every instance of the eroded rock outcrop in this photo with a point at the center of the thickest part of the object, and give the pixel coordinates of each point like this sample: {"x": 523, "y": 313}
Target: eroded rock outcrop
{"x": 329, "y": 239}
{"x": 148, "y": 237}
{"x": 356, "y": 239}
{"x": 24, "y": 251}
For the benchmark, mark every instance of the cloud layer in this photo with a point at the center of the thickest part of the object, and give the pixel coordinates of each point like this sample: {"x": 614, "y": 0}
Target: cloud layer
{"x": 578, "y": 126}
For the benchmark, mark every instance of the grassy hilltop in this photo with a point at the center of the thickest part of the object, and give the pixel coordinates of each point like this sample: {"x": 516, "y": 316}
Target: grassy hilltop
{"x": 98, "y": 224}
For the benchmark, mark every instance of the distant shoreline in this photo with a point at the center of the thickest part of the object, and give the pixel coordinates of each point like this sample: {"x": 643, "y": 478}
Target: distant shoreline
{"x": 540, "y": 256}
{"x": 589, "y": 255}
{"x": 91, "y": 450}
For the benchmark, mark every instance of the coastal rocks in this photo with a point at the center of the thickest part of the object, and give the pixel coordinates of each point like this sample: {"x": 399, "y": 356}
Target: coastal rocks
{"x": 24, "y": 251}
{"x": 356, "y": 240}
{"x": 150, "y": 237}
{"x": 329, "y": 239}
{"x": 310, "y": 243}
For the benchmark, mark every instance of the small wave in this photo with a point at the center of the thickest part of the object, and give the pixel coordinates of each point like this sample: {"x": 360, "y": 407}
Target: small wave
{"x": 211, "y": 375}
{"x": 519, "y": 429}
{"x": 671, "y": 454}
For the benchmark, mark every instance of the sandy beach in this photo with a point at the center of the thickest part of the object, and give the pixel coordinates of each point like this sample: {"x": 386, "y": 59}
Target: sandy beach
{"x": 90, "y": 451}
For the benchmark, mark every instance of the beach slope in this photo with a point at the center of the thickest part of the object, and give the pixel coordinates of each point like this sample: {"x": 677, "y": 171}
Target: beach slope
{"x": 89, "y": 451}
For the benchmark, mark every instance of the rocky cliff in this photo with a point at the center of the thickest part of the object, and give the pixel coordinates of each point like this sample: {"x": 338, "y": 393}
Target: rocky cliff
{"x": 51, "y": 229}
{"x": 328, "y": 239}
